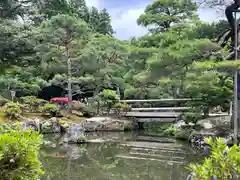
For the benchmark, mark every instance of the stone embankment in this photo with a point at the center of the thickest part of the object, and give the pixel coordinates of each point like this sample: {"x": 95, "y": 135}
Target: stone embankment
{"x": 76, "y": 132}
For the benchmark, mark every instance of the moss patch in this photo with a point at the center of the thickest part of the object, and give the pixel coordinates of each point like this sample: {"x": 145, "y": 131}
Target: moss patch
{"x": 72, "y": 117}
{"x": 2, "y": 116}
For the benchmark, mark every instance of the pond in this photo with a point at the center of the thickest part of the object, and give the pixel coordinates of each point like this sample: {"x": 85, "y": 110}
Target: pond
{"x": 129, "y": 156}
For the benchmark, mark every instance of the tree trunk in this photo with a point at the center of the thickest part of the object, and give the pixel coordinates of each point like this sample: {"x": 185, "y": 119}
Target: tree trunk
{"x": 69, "y": 67}
{"x": 69, "y": 86}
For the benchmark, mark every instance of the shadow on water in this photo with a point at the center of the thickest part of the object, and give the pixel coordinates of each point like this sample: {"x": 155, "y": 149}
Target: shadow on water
{"x": 130, "y": 156}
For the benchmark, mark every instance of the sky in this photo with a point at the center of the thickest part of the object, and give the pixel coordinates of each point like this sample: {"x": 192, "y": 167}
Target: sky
{"x": 124, "y": 15}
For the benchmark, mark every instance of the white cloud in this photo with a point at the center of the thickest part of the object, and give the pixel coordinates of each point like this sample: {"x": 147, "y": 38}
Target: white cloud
{"x": 125, "y": 23}
{"x": 95, "y": 3}
{"x": 210, "y": 15}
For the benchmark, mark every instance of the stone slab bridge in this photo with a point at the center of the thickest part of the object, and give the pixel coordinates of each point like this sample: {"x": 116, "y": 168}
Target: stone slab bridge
{"x": 161, "y": 114}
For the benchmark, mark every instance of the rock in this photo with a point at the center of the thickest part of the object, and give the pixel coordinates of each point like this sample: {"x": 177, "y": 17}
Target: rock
{"x": 100, "y": 140}
{"x": 64, "y": 125}
{"x": 179, "y": 124}
{"x": 77, "y": 113}
{"x": 75, "y": 134}
{"x": 197, "y": 138}
{"x": 106, "y": 124}
{"x": 50, "y": 126}
{"x": 205, "y": 124}
{"x": 191, "y": 124}
{"x": 135, "y": 124}
{"x": 30, "y": 124}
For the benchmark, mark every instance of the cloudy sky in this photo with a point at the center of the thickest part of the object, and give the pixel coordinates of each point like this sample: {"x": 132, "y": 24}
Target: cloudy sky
{"x": 124, "y": 14}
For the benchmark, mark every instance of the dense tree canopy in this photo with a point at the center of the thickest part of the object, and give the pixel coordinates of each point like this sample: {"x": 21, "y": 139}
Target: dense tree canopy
{"x": 177, "y": 58}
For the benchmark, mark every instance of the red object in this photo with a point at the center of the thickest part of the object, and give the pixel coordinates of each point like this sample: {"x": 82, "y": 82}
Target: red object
{"x": 61, "y": 100}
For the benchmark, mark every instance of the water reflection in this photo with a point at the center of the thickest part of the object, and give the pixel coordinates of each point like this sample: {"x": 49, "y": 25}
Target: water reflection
{"x": 124, "y": 160}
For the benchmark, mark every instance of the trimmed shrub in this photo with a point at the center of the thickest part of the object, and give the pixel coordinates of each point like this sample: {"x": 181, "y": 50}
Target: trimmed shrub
{"x": 32, "y": 103}
{"x": 50, "y": 109}
{"x": 12, "y": 110}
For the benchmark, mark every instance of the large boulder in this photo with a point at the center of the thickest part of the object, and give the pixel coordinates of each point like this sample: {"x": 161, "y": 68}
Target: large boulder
{"x": 106, "y": 124}
{"x": 75, "y": 134}
{"x": 212, "y": 122}
{"x": 50, "y": 126}
{"x": 205, "y": 124}
{"x": 31, "y": 124}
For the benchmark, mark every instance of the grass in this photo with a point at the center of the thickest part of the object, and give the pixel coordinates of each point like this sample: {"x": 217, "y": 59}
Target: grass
{"x": 2, "y": 116}
{"x": 72, "y": 117}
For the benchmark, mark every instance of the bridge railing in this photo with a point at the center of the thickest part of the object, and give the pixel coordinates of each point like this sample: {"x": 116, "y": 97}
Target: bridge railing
{"x": 164, "y": 108}
{"x": 157, "y": 100}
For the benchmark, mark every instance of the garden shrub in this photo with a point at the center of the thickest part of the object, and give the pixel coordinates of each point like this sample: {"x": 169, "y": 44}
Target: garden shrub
{"x": 193, "y": 116}
{"x": 32, "y": 103}
{"x": 19, "y": 155}
{"x": 12, "y": 110}
{"x": 170, "y": 130}
{"x": 177, "y": 132}
{"x": 86, "y": 110}
{"x": 121, "y": 107}
{"x": 223, "y": 163}
{"x": 106, "y": 99}
{"x": 50, "y": 109}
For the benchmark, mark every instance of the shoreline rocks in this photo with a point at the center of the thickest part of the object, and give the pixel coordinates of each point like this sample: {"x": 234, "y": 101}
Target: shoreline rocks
{"x": 107, "y": 124}
{"x": 76, "y": 132}
{"x": 214, "y": 127}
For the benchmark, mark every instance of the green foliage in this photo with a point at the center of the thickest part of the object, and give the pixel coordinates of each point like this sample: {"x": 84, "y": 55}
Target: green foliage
{"x": 50, "y": 109}
{"x": 17, "y": 45}
{"x": 170, "y": 131}
{"x": 33, "y": 103}
{"x": 12, "y": 110}
{"x": 107, "y": 99}
{"x": 206, "y": 86}
{"x": 178, "y": 133}
{"x": 193, "y": 115}
{"x": 163, "y": 13}
{"x": 176, "y": 59}
{"x": 99, "y": 20}
{"x": 19, "y": 158}
{"x": 223, "y": 163}
{"x": 121, "y": 107}
{"x": 86, "y": 110}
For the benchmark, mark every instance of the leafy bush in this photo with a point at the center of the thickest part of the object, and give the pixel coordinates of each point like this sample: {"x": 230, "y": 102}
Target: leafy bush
{"x": 107, "y": 98}
{"x": 193, "y": 116}
{"x": 178, "y": 133}
{"x": 33, "y": 103}
{"x": 19, "y": 158}
{"x": 121, "y": 107}
{"x": 12, "y": 110}
{"x": 50, "y": 109}
{"x": 86, "y": 110}
{"x": 223, "y": 164}
{"x": 170, "y": 131}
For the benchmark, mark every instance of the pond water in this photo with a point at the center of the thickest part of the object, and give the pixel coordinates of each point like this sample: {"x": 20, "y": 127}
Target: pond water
{"x": 129, "y": 156}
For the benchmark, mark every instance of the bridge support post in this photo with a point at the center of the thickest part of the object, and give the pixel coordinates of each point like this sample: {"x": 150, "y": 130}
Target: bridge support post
{"x": 235, "y": 100}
